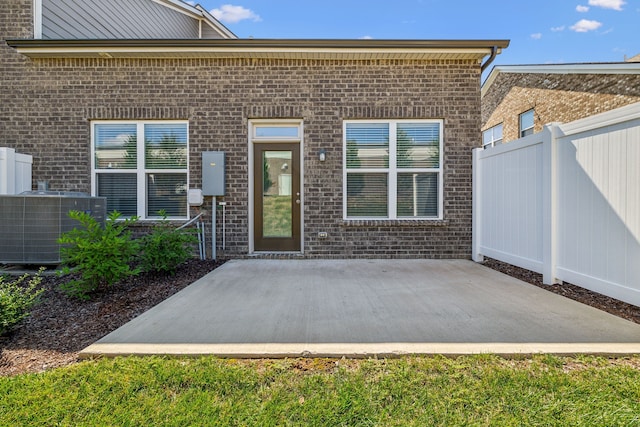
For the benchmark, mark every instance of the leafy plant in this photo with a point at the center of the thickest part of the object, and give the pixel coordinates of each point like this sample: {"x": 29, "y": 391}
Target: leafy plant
{"x": 166, "y": 247}
{"x": 101, "y": 256}
{"x": 17, "y": 298}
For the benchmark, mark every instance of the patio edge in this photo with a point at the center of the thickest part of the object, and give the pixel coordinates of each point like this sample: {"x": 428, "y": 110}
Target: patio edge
{"x": 355, "y": 350}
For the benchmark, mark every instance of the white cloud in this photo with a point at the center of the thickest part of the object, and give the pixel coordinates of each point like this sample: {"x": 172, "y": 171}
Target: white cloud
{"x": 536, "y": 36}
{"x": 608, "y": 4}
{"x": 558, "y": 29}
{"x": 231, "y": 14}
{"x": 366, "y": 38}
{"x": 585, "y": 25}
{"x": 582, "y": 9}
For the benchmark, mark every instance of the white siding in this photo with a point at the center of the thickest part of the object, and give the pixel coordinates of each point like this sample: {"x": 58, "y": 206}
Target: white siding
{"x": 114, "y": 19}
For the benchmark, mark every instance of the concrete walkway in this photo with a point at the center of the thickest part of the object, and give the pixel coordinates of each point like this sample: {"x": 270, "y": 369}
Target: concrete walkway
{"x": 359, "y": 308}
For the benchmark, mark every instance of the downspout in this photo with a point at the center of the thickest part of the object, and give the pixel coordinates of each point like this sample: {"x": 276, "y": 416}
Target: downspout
{"x": 494, "y": 53}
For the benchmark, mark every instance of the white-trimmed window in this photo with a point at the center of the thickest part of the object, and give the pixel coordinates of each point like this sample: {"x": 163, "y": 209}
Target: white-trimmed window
{"x": 393, "y": 169}
{"x": 492, "y": 136}
{"x": 141, "y": 167}
{"x": 526, "y": 123}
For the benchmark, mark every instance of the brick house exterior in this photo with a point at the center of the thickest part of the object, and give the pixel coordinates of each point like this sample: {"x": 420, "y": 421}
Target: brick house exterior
{"x": 50, "y": 98}
{"x": 556, "y": 93}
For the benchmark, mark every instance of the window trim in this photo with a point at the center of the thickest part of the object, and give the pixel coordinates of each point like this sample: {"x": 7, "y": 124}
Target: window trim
{"x": 141, "y": 172}
{"x": 393, "y": 171}
{"x": 494, "y": 140}
{"x": 522, "y": 131}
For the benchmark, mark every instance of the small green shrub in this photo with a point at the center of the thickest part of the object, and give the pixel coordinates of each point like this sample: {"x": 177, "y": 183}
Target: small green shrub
{"x": 166, "y": 247}
{"x": 101, "y": 256}
{"x": 17, "y": 298}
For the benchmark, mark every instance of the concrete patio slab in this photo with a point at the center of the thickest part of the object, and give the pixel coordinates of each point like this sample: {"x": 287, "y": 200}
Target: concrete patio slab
{"x": 362, "y": 308}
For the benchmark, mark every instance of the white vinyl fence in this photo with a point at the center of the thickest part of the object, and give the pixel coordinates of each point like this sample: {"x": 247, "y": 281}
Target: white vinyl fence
{"x": 15, "y": 171}
{"x": 565, "y": 202}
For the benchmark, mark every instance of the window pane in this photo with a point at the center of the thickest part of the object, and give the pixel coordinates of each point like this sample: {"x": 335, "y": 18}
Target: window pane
{"x": 167, "y": 192}
{"x": 497, "y": 133}
{"x": 121, "y": 192}
{"x": 367, "y": 195}
{"x": 165, "y": 146}
{"x": 417, "y": 195}
{"x": 526, "y": 123}
{"x": 115, "y": 146}
{"x": 277, "y": 131}
{"x": 487, "y": 137}
{"x": 367, "y": 145}
{"x": 418, "y": 145}
{"x": 277, "y": 200}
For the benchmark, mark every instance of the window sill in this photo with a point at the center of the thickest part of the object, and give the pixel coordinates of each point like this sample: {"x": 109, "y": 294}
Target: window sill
{"x": 347, "y": 223}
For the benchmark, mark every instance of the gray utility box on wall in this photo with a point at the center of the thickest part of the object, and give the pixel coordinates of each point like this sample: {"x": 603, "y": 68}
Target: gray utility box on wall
{"x": 213, "y": 173}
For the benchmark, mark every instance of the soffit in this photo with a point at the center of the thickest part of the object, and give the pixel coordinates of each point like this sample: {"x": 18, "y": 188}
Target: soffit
{"x": 276, "y": 49}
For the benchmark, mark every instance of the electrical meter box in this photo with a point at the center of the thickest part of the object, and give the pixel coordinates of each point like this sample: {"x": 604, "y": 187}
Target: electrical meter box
{"x": 213, "y": 173}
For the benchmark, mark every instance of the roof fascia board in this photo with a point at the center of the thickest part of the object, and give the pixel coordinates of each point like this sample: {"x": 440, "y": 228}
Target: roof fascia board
{"x": 215, "y": 24}
{"x": 250, "y": 48}
{"x": 281, "y": 44}
{"x": 199, "y": 13}
{"x": 181, "y": 7}
{"x": 602, "y": 68}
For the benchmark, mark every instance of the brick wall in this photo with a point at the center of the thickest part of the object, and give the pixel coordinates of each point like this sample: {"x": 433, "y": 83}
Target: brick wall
{"x": 47, "y": 106}
{"x": 555, "y": 98}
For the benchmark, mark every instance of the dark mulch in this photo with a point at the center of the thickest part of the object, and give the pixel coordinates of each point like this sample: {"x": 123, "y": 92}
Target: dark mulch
{"x": 60, "y": 327}
{"x": 576, "y": 293}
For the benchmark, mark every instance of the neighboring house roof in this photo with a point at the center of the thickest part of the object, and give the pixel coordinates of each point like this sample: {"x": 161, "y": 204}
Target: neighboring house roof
{"x": 580, "y": 68}
{"x": 554, "y": 93}
{"x": 262, "y": 48}
{"x": 131, "y": 19}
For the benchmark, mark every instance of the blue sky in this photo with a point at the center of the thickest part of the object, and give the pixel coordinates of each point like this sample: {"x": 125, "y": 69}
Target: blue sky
{"x": 541, "y": 31}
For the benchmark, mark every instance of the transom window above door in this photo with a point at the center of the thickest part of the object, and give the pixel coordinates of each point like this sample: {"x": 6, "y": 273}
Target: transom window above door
{"x": 393, "y": 169}
{"x": 141, "y": 167}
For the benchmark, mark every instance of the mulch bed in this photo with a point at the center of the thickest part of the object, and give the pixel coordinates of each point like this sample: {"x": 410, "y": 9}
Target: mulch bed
{"x": 576, "y": 293}
{"x": 59, "y": 327}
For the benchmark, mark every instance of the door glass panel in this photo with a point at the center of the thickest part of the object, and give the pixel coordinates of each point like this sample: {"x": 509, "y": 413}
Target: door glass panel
{"x": 277, "y": 212}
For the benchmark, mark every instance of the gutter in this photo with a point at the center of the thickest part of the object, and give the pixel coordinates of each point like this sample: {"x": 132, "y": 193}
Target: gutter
{"x": 494, "y": 53}
{"x": 260, "y": 48}
{"x": 346, "y": 44}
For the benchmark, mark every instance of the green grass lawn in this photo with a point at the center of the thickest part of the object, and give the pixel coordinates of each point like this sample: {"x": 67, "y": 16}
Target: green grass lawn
{"x": 469, "y": 391}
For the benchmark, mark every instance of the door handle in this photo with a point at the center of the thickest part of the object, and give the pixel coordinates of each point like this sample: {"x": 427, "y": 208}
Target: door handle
{"x": 297, "y": 201}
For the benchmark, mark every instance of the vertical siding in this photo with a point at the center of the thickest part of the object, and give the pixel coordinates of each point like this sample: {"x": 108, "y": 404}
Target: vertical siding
{"x": 209, "y": 33}
{"x": 114, "y": 19}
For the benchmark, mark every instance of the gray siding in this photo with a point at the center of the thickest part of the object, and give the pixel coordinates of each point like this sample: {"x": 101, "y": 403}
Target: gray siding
{"x": 209, "y": 33}
{"x": 114, "y": 19}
